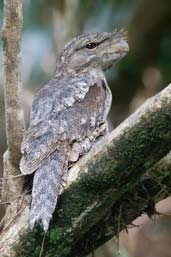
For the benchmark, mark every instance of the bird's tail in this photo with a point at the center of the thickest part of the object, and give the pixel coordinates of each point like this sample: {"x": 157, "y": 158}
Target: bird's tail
{"x": 46, "y": 186}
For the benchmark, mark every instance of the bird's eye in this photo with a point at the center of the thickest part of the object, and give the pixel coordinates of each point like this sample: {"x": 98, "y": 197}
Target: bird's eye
{"x": 91, "y": 45}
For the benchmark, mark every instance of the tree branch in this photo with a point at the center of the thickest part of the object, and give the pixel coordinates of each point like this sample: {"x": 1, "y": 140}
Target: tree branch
{"x": 106, "y": 189}
{"x": 153, "y": 186}
{"x": 11, "y": 36}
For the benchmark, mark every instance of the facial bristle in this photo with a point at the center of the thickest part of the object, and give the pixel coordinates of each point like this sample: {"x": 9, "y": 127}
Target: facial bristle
{"x": 121, "y": 32}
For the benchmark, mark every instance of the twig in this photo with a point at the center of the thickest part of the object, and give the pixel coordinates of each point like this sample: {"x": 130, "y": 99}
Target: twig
{"x": 14, "y": 199}
{"x": 42, "y": 246}
{"x": 12, "y": 177}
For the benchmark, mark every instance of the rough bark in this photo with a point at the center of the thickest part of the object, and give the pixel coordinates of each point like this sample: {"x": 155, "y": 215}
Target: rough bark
{"x": 107, "y": 189}
{"x": 11, "y": 36}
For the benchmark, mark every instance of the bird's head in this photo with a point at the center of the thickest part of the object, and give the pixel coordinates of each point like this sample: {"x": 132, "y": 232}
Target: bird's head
{"x": 94, "y": 50}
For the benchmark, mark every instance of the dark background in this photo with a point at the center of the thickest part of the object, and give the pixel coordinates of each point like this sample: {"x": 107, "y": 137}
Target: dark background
{"x": 49, "y": 24}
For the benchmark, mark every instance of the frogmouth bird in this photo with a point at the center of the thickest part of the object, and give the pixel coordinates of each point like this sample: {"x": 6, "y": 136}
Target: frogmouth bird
{"x": 68, "y": 115}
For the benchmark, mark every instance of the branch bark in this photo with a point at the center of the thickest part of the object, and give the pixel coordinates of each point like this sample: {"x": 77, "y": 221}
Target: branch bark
{"x": 11, "y": 36}
{"x": 106, "y": 190}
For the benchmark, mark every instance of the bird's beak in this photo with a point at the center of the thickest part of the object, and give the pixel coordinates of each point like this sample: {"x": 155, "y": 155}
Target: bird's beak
{"x": 121, "y": 46}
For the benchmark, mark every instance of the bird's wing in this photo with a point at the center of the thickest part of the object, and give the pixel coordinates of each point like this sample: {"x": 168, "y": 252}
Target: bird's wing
{"x": 58, "y": 95}
{"x": 60, "y": 113}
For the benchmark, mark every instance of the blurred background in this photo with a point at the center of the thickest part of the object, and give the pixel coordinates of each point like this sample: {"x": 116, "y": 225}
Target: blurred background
{"x": 48, "y": 25}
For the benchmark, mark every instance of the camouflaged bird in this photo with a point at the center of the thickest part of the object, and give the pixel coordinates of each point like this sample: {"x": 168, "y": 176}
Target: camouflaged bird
{"x": 68, "y": 114}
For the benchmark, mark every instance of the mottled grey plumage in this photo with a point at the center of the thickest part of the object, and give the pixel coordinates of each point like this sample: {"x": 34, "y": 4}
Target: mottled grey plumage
{"x": 67, "y": 116}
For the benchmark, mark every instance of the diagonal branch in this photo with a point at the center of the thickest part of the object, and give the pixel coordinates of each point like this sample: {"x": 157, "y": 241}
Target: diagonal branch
{"x": 106, "y": 189}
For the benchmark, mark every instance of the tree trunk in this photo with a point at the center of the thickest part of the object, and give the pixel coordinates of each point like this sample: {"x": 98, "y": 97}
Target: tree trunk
{"x": 11, "y": 36}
